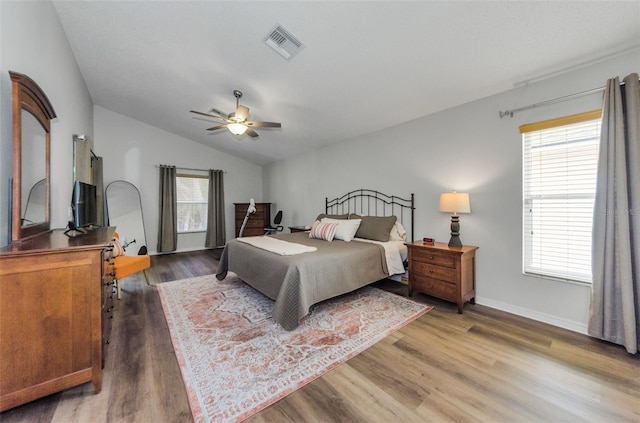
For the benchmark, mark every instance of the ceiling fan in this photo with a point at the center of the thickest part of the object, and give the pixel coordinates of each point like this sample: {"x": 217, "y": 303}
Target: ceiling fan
{"x": 237, "y": 122}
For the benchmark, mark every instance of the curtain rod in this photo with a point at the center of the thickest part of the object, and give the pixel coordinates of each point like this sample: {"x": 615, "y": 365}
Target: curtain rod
{"x": 190, "y": 168}
{"x": 552, "y": 101}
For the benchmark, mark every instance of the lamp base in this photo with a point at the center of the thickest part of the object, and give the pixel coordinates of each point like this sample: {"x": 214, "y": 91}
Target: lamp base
{"x": 455, "y": 232}
{"x": 455, "y": 241}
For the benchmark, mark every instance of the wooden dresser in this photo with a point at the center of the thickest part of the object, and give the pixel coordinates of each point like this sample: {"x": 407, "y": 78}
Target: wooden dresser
{"x": 444, "y": 272}
{"x": 52, "y": 295}
{"x": 257, "y": 221}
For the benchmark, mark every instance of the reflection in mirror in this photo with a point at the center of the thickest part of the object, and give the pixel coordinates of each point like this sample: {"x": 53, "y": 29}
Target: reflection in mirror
{"x": 33, "y": 170}
{"x": 82, "y": 159}
{"x": 35, "y": 204}
{"x": 124, "y": 210}
{"x": 87, "y": 168}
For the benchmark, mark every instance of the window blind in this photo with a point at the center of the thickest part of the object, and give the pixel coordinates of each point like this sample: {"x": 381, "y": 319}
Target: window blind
{"x": 559, "y": 183}
{"x": 192, "y": 193}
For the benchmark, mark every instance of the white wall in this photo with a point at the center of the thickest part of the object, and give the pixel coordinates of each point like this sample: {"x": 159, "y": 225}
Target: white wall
{"x": 131, "y": 150}
{"x": 33, "y": 42}
{"x": 468, "y": 148}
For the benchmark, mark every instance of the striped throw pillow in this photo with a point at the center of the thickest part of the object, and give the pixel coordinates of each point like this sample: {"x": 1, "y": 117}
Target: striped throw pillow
{"x": 321, "y": 230}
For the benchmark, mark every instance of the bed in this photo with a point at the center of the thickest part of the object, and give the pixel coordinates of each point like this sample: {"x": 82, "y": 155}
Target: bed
{"x": 297, "y": 281}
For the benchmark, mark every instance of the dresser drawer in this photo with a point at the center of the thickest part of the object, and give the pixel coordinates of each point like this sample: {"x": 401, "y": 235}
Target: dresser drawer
{"x": 433, "y": 256}
{"x": 108, "y": 271}
{"x": 434, "y": 287}
{"x": 432, "y": 271}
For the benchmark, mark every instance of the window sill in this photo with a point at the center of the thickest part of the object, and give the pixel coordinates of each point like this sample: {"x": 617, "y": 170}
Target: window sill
{"x": 557, "y": 279}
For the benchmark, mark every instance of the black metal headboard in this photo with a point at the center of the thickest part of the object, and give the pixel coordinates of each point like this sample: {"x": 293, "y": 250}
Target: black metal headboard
{"x": 368, "y": 202}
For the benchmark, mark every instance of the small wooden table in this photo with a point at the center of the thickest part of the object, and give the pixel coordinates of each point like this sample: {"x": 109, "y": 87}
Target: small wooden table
{"x": 448, "y": 273}
{"x": 299, "y": 229}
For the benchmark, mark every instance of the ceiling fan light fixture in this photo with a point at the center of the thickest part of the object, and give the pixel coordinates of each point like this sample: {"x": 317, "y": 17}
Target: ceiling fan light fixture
{"x": 237, "y": 128}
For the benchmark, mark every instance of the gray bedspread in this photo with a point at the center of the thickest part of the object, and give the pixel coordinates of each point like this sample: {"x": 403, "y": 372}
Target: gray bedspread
{"x": 297, "y": 282}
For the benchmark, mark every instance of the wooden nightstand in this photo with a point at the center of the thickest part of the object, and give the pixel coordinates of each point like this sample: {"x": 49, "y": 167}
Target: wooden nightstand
{"x": 298, "y": 229}
{"x": 444, "y": 272}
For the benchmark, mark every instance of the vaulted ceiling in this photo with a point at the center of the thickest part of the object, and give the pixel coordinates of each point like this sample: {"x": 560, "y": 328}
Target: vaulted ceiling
{"x": 365, "y": 66}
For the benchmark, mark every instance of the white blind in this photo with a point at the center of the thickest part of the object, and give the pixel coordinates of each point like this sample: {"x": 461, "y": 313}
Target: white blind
{"x": 193, "y": 194}
{"x": 559, "y": 181}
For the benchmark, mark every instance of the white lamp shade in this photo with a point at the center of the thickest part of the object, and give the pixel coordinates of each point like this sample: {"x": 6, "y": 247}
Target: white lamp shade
{"x": 237, "y": 128}
{"x": 455, "y": 202}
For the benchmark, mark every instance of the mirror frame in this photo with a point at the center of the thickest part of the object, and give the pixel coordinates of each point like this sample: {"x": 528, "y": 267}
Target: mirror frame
{"x": 27, "y": 95}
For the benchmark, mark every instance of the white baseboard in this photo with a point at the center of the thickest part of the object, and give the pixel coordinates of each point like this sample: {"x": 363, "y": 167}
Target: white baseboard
{"x": 534, "y": 315}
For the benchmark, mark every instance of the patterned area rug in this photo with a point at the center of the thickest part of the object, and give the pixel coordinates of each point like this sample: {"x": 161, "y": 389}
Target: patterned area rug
{"x": 235, "y": 360}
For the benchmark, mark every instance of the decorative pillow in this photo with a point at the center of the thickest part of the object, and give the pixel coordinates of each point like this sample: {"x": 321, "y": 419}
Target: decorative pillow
{"x": 333, "y": 216}
{"x": 117, "y": 248}
{"x": 321, "y": 230}
{"x": 375, "y": 228}
{"x": 398, "y": 232}
{"x": 346, "y": 228}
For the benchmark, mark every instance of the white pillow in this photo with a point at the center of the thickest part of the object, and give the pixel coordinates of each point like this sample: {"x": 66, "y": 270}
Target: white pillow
{"x": 398, "y": 232}
{"x": 346, "y": 229}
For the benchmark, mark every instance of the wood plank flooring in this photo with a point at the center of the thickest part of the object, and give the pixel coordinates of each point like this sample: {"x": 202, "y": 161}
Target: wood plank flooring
{"x": 481, "y": 366}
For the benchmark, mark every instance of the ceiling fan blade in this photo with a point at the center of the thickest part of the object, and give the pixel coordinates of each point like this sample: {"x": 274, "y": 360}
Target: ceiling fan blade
{"x": 264, "y": 124}
{"x": 242, "y": 113}
{"x": 251, "y": 133}
{"x": 208, "y": 115}
{"x": 213, "y": 128}
{"x": 218, "y": 112}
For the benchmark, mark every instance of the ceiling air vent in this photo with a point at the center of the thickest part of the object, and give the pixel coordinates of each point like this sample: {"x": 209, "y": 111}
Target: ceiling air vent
{"x": 284, "y": 42}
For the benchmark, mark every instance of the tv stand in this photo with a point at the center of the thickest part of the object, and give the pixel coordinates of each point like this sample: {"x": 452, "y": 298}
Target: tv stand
{"x": 74, "y": 232}
{"x": 73, "y": 228}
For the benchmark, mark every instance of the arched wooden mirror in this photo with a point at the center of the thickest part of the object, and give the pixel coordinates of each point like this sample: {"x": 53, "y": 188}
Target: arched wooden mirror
{"x": 32, "y": 114}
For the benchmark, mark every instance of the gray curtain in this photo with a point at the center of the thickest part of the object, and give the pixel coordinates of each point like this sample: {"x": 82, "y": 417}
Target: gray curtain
{"x": 168, "y": 222}
{"x": 615, "y": 298}
{"x": 216, "y": 235}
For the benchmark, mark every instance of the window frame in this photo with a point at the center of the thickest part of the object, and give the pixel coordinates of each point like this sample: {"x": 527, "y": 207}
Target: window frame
{"x": 533, "y": 265}
{"x": 205, "y": 202}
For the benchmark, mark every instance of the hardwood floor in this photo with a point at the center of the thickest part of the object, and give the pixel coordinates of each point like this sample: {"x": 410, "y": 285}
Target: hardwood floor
{"x": 484, "y": 365}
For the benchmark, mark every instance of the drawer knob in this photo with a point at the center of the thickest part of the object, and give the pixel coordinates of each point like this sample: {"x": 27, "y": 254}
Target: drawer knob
{"x": 430, "y": 270}
{"x": 430, "y": 257}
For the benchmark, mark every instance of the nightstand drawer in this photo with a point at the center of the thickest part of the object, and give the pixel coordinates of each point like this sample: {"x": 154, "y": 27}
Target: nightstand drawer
{"x": 433, "y": 256}
{"x": 438, "y": 272}
{"x": 435, "y": 287}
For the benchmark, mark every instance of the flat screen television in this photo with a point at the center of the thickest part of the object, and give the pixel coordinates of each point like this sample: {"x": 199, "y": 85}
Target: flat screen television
{"x": 84, "y": 205}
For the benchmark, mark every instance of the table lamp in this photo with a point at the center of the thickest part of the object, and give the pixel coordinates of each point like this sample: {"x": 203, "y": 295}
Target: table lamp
{"x": 455, "y": 202}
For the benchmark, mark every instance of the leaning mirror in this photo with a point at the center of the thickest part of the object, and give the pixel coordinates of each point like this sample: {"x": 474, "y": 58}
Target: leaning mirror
{"x": 32, "y": 114}
{"x": 124, "y": 210}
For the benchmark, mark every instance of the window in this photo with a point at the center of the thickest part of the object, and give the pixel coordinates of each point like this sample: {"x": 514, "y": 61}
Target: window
{"x": 193, "y": 194}
{"x": 560, "y": 160}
